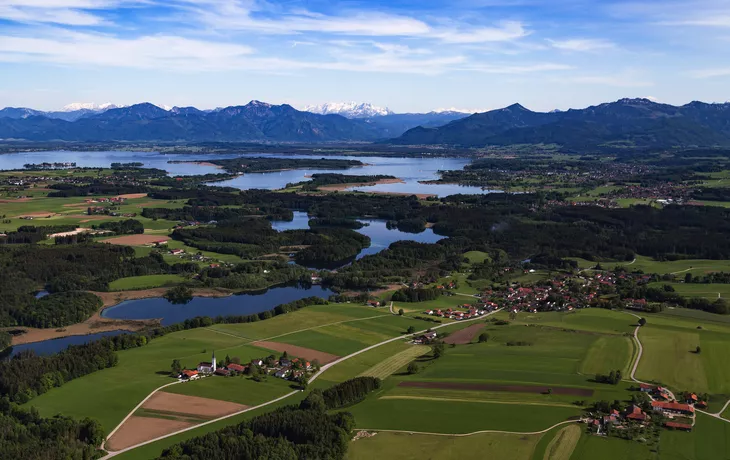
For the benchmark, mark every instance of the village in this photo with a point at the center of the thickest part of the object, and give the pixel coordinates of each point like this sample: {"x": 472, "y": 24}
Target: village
{"x": 562, "y": 293}
{"x": 293, "y": 369}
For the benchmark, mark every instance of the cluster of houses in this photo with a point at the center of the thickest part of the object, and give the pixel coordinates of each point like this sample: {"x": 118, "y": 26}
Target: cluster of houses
{"x": 559, "y": 294}
{"x": 284, "y": 368}
{"x": 469, "y": 311}
{"x": 103, "y": 210}
{"x": 113, "y": 200}
{"x": 425, "y": 339}
{"x": 675, "y": 414}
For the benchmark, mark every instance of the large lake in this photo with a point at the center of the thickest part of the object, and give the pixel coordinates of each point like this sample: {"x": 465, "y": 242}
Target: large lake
{"x": 380, "y": 236}
{"x": 242, "y": 304}
{"x": 411, "y": 169}
{"x": 104, "y": 159}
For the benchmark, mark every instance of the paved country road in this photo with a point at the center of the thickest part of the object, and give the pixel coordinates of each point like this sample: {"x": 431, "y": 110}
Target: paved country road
{"x": 314, "y": 377}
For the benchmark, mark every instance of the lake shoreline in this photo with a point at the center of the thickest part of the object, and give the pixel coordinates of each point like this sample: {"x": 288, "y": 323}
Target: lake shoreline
{"x": 99, "y": 323}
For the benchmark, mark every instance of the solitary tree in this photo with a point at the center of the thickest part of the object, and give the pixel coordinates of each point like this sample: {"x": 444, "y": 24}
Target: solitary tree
{"x": 438, "y": 350}
{"x": 483, "y": 337}
{"x": 413, "y": 368}
{"x": 227, "y": 360}
{"x": 698, "y": 350}
{"x": 401, "y": 312}
{"x": 411, "y": 330}
{"x": 176, "y": 366}
{"x": 642, "y": 322}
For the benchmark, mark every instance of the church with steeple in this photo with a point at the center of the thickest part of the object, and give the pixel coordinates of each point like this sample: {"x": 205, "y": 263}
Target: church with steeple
{"x": 208, "y": 368}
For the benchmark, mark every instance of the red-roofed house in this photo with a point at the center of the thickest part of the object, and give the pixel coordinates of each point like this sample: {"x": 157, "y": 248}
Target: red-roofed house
{"x": 678, "y": 426}
{"x": 189, "y": 375}
{"x": 236, "y": 367}
{"x": 636, "y": 414}
{"x": 660, "y": 406}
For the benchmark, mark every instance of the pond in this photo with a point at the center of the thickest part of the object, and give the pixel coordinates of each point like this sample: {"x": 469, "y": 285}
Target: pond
{"x": 242, "y": 304}
{"x": 380, "y": 235}
{"x": 49, "y": 347}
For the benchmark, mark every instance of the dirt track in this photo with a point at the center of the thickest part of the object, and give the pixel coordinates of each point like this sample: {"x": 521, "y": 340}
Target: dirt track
{"x": 464, "y": 336}
{"x": 298, "y": 352}
{"x": 490, "y": 387}
{"x": 139, "y": 429}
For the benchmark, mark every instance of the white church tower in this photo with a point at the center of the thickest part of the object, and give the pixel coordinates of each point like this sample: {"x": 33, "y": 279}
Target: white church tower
{"x": 212, "y": 362}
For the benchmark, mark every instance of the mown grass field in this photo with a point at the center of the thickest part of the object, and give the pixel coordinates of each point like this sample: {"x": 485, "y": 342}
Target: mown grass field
{"x": 239, "y": 389}
{"x": 669, "y": 354}
{"x": 710, "y": 440}
{"x": 562, "y": 445}
{"x": 456, "y": 416}
{"x": 649, "y": 265}
{"x": 710, "y": 291}
{"x": 389, "y": 366}
{"x": 403, "y": 446}
{"x": 599, "y": 448}
{"x": 145, "y": 282}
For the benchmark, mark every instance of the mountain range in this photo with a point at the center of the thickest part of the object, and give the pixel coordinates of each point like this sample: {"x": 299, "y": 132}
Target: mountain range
{"x": 255, "y": 121}
{"x": 70, "y": 112}
{"x": 622, "y": 124}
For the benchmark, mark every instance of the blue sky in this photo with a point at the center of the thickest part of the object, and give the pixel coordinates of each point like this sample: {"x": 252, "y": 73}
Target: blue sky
{"x": 405, "y": 54}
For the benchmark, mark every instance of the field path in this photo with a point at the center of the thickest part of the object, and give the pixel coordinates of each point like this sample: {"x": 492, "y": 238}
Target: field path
{"x": 717, "y": 415}
{"x": 280, "y": 398}
{"x": 461, "y": 435}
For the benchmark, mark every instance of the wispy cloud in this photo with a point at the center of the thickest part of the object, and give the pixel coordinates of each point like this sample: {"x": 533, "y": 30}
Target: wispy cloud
{"x": 711, "y": 73}
{"x": 63, "y": 12}
{"x": 581, "y": 44}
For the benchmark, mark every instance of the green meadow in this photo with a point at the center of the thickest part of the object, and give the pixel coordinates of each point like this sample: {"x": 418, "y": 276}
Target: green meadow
{"x": 707, "y": 441}
{"x": 405, "y": 446}
{"x": 599, "y": 448}
{"x": 710, "y": 291}
{"x": 456, "y": 417}
{"x": 110, "y": 394}
{"x": 670, "y": 358}
{"x": 145, "y": 282}
{"x": 239, "y": 389}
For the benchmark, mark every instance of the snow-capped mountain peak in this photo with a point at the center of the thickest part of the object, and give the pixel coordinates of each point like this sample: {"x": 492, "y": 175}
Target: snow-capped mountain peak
{"x": 89, "y": 106}
{"x": 349, "y": 109}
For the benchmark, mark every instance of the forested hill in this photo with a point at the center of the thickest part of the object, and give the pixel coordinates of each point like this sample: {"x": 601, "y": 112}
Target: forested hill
{"x": 624, "y": 123}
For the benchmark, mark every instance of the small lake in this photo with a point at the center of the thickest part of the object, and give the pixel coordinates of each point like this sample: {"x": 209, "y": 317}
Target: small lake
{"x": 49, "y": 347}
{"x": 380, "y": 235}
{"x": 414, "y": 187}
{"x": 242, "y": 304}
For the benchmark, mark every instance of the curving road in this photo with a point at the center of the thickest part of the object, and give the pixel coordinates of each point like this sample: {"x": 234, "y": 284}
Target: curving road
{"x": 314, "y": 377}
{"x": 717, "y": 415}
